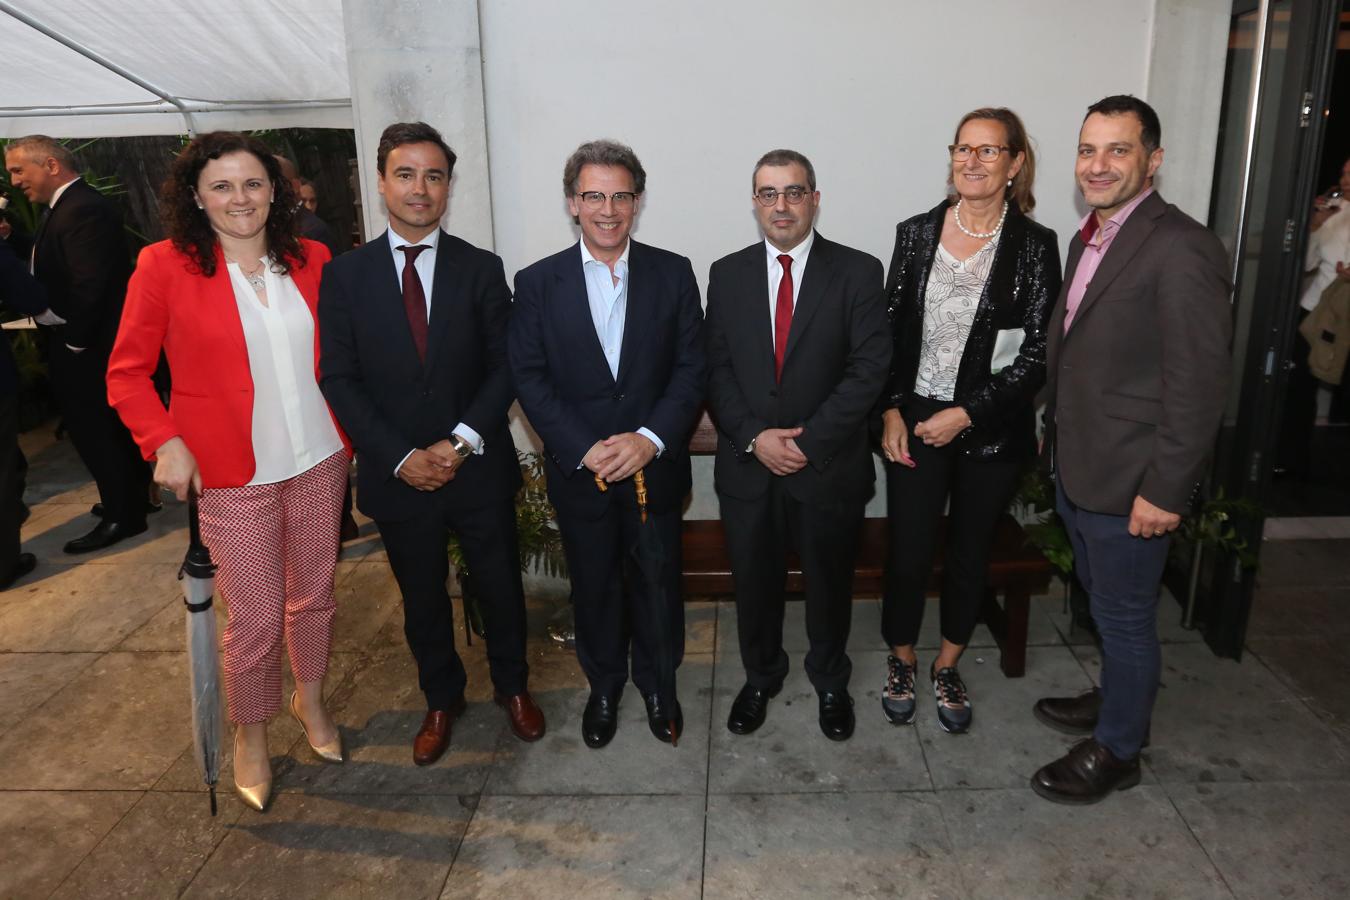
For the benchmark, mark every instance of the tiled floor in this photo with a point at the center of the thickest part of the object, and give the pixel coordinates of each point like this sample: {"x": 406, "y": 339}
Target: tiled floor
{"x": 1246, "y": 791}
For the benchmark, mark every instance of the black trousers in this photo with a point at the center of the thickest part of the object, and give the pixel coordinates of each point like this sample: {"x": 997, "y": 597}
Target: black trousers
{"x": 979, "y": 491}
{"x": 421, "y": 564}
{"x": 11, "y": 482}
{"x": 625, "y": 591}
{"x": 824, "y": 533}
{"x": 101, "y": 440}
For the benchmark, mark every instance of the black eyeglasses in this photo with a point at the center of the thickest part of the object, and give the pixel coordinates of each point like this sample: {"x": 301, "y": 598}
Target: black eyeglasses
{"x": 794, "y": 193}
{"x": 596, "y": 199}
{"x": 986, "y": 152}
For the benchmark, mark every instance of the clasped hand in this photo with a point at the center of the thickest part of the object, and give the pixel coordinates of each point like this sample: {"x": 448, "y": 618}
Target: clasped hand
{"x": 777, "y": 449}
{"x": 619, "y": 456}
{"x": 432, "y": 468}
{"x": 943, "y": 427}
{"x": 1149, "y": 521}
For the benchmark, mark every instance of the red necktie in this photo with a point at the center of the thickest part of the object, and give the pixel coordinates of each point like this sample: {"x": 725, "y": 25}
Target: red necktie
{"x": 782, "y": 316}
{"x": 415, "y": 299}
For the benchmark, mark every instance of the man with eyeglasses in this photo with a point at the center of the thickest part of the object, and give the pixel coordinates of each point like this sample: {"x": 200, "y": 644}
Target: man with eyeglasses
{"x": 798, "y": 351}
{"x": 608, "y": 363}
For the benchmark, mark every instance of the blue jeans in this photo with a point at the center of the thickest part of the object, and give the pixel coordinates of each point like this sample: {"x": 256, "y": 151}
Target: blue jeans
{"x": 1121, "y": 574}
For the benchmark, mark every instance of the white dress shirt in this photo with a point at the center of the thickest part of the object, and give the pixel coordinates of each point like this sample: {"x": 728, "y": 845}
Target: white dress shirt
{"x": 425, "y": 267}
{"x": 799, "y": 254}
{"x": 608, "y": 301}
{"x": 292, "y": 428}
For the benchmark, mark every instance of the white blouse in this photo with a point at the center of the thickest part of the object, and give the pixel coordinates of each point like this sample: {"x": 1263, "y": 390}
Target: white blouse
{"x": 950, "y": 300}
{"x": 292, "y": 428}
{"x": 1327, "y": 246}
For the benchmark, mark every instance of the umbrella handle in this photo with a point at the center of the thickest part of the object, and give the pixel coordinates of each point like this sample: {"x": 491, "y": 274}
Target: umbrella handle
{"x": 194, "y": 528}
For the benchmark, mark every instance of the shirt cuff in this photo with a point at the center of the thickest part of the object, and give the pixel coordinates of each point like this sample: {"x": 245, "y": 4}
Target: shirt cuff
{"x": 403, "y": 460}
{"x": 651, "y": 436}
{"x": 49, "y": 318}
{"x": 474, "y": 438}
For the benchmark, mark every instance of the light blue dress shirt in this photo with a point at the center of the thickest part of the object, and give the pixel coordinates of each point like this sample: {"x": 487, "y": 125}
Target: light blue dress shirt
{"x": 609, "y": 310}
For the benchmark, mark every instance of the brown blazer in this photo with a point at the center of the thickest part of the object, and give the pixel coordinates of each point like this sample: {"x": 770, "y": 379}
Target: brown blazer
{"x": 1137, "y": 388}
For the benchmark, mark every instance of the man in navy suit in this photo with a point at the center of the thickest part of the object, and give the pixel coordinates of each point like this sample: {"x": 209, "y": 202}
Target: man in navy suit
{"x": 608, "y": 364}
{"x": 19, "y": 291}
{"x": 412, "y": 336}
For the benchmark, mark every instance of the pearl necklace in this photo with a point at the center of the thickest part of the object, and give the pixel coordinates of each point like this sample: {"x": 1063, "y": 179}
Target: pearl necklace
{"x": 956, "y": 213}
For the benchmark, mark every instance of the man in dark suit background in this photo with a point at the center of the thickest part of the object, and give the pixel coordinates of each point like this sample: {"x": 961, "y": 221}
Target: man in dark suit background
{"x": 609, "y": 366}
{"x": 412, "y": 331}
{"x": 20, "y": 292}
{"x": 1138, "y": 375}
{"x": 306, "y": 219}
{"x": 798, "y": 351}
{"x": 80, "y": 256}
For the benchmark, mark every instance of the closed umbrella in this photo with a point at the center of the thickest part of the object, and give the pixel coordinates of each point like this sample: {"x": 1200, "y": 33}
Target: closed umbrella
{"x": 198, "y": 575}
{"x": 650, "y": 557}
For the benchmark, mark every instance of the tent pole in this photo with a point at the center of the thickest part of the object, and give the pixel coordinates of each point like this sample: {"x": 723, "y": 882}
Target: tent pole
{"x": 108, "y": 64}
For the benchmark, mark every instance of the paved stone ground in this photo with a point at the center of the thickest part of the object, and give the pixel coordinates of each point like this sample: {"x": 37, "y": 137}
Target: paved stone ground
{"x": 1246, "y": 791}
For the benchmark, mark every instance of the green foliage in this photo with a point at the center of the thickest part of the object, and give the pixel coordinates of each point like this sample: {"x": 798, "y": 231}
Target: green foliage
{"x": 1215, "y": 526}
{"x": 536, "y": 524}
{"x": 1035, "y": 500}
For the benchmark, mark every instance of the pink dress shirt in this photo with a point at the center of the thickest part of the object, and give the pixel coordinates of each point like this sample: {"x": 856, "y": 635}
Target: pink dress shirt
{"x": 1096, "y": 241}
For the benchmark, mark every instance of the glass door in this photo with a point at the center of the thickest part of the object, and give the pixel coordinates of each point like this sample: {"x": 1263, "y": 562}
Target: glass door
{"x": 1276, "y": 82}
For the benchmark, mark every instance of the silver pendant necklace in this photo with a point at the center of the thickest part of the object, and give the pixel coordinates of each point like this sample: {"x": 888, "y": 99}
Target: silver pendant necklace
{"x": 979, "y": 235}
{"x": 256, "y": 279}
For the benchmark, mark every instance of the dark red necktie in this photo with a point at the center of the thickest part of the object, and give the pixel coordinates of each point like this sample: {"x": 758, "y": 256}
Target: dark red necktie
{"x": 782, "y": 316}
{"x": 415, "y": 299}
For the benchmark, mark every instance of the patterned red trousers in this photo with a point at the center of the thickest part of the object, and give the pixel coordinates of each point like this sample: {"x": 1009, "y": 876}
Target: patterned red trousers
{"x": 275, "y": 546}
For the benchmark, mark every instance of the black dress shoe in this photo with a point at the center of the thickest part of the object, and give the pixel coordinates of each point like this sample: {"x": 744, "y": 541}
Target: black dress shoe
{"x": 1086, "y": 774}
{"x": 1070, "y": 715}
{"x": 659, "y": 717}
{"x": 836, "y": 715}
{"x": 600, "y": 720}
{"x": 749, "y": 709}
{"x": 23, "y": 564}
{"x": 105, "y": 534}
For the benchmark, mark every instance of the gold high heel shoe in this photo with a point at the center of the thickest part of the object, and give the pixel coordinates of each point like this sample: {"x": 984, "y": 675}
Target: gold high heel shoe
{"x": 257, "y": 796}
{"x": 329, "y": 752}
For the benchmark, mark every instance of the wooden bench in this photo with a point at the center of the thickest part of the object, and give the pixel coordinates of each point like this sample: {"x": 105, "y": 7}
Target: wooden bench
{"x": 1016, "y": 569}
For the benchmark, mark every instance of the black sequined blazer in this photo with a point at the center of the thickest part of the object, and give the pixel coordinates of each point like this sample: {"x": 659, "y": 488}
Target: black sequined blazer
{"x": 1024, "y": 281}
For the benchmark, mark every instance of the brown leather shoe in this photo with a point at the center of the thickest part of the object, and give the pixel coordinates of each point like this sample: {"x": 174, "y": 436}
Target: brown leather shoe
{"x": 434, "y": 736}
{"x": 1070, "y": 715}
{"x": 1086, "y": 774}
{"x": 525, "y": 716}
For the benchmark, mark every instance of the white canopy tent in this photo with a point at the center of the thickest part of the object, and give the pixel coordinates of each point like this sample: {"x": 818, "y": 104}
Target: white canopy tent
{"x": 109, "y": 68}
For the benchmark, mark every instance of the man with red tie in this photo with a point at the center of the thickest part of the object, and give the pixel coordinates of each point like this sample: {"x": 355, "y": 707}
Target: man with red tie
{"x": 412, "y": 337}
{"x": 798, "y": 351}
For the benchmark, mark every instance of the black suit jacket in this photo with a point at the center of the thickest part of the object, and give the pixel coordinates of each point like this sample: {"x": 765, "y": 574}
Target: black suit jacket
{"x": 316, "y": 229}
{"x": 564, "y": 381}
{"x": 21, "y": 293}
{"x": 1023, "y": 285}
{"x": 81, "y": 257}
{"x": 390, "y": 402}
{"x": 838, "y": 354}
{"x": 1138, "y": 386}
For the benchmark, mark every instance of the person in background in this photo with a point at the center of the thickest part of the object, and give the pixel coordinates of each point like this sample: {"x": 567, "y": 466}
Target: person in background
{"x": 230, "y": 298}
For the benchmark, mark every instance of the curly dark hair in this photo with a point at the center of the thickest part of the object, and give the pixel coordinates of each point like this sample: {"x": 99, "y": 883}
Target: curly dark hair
{"x": 186, "y": 224}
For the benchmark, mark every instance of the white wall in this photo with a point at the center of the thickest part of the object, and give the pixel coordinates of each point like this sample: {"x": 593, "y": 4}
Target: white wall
{"x": 870, "y": 91}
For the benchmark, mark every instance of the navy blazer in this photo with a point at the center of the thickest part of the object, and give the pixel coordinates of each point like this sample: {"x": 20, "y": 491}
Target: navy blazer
{"x": 21, "y": 293}
{"x": 390, "y": 402}
{"x": 564, "y": 382}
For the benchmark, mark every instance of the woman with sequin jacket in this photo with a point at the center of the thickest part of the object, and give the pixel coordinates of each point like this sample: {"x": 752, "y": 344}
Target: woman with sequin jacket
{"x": 971, "y": 286}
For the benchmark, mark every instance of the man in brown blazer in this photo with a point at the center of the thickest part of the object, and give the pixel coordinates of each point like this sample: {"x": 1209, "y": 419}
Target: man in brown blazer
{"x": 1138, "y": 378}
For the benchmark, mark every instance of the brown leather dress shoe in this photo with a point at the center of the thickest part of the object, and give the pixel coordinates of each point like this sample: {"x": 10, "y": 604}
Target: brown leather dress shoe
{"x": 525, "y": 716}
{"x": 1086, "y": 774}
{"x": 434, "y": 735}
{"x": 1070, "y": 715}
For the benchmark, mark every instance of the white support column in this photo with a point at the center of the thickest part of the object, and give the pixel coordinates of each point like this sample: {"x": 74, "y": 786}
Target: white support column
{"x": 412, "y": 61}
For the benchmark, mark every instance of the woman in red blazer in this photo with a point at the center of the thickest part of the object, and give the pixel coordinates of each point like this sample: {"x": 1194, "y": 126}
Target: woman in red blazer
{"x": 230, "y": 298}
